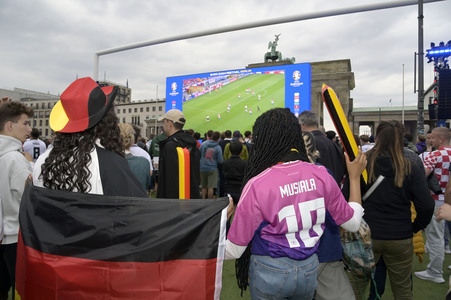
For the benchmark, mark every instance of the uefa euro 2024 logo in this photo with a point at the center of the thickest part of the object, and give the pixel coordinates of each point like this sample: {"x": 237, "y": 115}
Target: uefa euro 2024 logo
{"x": 174, "y": 86}
{"x": 296, "y": 75}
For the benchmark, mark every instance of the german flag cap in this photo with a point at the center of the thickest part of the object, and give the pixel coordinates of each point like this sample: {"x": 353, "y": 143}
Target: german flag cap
{"x": 82, "y": 105}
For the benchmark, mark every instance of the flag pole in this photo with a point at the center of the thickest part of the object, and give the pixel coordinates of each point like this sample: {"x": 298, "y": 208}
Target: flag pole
{"x": 402, "y": 118}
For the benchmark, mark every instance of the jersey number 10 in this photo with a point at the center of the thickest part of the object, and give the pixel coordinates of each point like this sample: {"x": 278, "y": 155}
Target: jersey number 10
{"x": 305, "y": 208}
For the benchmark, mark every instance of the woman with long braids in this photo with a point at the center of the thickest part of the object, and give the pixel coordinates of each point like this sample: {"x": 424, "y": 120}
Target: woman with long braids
{"x": 282, "y": 211}
{"x": 87, "y": 154}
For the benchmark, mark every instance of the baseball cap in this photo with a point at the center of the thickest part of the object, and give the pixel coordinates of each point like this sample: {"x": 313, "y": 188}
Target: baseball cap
{"x": 175, "y": 116}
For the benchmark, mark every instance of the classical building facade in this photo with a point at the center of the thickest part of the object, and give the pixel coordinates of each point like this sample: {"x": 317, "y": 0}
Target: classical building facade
{"x": 339, "y": 76}
{"x": 42, "y": 104}
{"x": 372, "y": 116}
{"x": 335, "y": 73}
{"x": 143, "y": 113}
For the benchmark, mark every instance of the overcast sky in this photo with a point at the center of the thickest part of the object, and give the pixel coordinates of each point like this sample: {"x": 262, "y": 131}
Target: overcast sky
{"x": 45, "y": 44}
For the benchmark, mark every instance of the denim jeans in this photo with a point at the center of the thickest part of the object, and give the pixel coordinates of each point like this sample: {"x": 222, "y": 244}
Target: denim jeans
{"x": 282, "y": 278}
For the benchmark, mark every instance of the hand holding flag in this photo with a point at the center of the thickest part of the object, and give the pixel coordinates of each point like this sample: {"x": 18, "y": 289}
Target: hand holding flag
{"x": 341, "y": 124}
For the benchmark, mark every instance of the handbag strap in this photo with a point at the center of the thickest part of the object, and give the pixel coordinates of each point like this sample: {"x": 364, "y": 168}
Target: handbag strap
{"x": 373, "y": 187}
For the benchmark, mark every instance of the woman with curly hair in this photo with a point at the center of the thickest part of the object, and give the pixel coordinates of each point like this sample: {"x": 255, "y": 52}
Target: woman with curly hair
{"x": 282, "y": 211}
{"x": 87, "y": 154}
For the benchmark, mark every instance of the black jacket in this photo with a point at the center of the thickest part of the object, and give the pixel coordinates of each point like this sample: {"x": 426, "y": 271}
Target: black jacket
{"x": 168, "y": 171}
{"x": 233, "y": 169}
{"x": 330, "y": 155}
{"x": 387, "y": 209}
{"x": 223, "y": 143}
{"x": 117, "y": 178}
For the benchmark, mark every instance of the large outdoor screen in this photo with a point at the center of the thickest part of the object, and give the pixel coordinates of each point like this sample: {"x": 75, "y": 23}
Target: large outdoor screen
{"x": 234, "y": 99}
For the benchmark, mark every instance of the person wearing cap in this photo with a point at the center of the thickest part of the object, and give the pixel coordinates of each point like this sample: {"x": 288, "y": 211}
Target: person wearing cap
{"x": 16, "y": 166}
{"x": 168, "y": 178}
{"x": 236, "y": 137}
{"x": 87, "y": 154}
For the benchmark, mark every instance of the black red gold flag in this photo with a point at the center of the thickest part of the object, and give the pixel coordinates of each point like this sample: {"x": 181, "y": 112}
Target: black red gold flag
{"x": 184, "y": 173}
{"x": 341, "y": 124}
{"x": 86, "y": 246}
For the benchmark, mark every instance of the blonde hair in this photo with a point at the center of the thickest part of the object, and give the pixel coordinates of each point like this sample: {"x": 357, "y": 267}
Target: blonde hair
{"x": 127, "y": 135}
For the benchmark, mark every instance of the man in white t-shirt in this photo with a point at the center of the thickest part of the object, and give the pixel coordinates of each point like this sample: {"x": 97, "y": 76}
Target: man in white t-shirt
{"x": 34, "y": 145}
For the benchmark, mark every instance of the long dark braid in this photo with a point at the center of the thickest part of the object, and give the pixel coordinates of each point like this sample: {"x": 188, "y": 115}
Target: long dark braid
{"x": 66, "y": 167}
{"x": 276, "y": 135}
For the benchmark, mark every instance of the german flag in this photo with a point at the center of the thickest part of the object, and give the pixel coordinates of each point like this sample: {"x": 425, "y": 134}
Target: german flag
{"x": 86, "y": 246}
{"x": 184, "y": 173}
{"x": 341, "y": 124}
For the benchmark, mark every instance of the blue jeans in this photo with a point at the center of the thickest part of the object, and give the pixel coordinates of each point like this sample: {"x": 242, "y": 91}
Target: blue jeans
{"x": 282, "y": 278}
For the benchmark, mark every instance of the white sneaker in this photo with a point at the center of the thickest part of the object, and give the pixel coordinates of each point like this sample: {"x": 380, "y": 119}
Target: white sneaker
{"x": 426, "y": 276}
{"x": 449, "y": 267}
{"x": 447, "y": 250}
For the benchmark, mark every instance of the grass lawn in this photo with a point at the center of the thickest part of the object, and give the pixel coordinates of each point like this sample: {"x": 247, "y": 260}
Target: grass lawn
{"x": 422, "y": 289}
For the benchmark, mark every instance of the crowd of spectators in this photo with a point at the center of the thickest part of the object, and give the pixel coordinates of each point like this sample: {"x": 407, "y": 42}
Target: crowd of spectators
{"x": 267, "y": 174}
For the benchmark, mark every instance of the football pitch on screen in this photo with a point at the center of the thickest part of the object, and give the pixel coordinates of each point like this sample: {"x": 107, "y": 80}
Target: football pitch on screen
{"x": 239, "y": 94}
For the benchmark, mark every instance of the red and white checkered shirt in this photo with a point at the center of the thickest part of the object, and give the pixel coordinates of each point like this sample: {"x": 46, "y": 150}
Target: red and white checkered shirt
{"x": 439, "y": 162}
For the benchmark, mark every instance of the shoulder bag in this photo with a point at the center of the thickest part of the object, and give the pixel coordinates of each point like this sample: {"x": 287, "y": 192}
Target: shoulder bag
{"x": 357, "y": 246}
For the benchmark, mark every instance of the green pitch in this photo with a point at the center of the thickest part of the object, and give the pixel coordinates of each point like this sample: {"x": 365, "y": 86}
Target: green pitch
{"x": 268, "y": 86}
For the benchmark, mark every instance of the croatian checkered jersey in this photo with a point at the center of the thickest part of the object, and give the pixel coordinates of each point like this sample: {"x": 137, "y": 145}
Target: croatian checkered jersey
{"x": 439, "y": 162}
